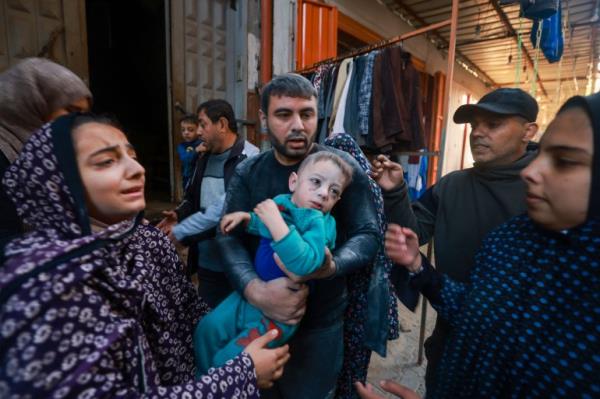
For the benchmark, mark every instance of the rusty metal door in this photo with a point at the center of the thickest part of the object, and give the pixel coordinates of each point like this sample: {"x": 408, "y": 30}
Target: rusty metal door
{"x": 53, "y": 29}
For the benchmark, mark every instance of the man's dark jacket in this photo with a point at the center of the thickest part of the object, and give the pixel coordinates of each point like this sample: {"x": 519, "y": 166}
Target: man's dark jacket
{"x": 263, "y": 177}
{"x": 191, "y": 199}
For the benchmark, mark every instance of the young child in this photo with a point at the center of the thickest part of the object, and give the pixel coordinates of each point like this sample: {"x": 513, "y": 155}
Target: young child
{"x": 297, "y": 227}
{"x": 187, "y": 149}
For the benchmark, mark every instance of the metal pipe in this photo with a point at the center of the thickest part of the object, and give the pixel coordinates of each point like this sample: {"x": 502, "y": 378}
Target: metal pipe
{"x": 384, "y": 43}
{"x": 450, "y": 71}
{"x": 447, "y": 91}
{"x": 266, "y": 40}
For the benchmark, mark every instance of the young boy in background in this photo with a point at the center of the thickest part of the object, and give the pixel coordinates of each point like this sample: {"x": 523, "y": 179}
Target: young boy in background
{"x": 187, "y": 149}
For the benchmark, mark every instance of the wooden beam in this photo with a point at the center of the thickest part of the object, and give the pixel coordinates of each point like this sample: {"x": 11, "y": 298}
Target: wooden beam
{"x": 413, "y": 15}
{"x": 444, "y": 10}
{"x": 476, "y": 41}
{"x": 512, "y": 31}
{"x": 510, "y": 84}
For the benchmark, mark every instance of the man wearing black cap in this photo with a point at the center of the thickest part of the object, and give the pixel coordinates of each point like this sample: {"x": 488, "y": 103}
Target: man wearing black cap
{"x": 465, "y": 205}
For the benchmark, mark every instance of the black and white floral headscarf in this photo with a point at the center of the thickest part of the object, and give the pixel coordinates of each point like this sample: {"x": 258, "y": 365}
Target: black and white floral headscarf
{"x": 108, "y": 314}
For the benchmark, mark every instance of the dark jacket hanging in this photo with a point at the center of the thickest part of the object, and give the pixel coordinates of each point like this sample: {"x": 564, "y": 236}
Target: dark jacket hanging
{"x": 397, "y": 110}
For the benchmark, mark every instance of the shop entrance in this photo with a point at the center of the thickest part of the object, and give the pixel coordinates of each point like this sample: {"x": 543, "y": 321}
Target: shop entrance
{"x": 128, "y": 76}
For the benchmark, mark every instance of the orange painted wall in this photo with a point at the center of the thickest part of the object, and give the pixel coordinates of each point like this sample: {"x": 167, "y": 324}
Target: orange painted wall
{"x": 317, "y": 32}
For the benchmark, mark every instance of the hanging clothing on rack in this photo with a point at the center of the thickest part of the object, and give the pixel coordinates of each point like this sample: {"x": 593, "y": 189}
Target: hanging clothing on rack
{"x": 339, "y": 87}
{"x": 365, "y": 96}
{"x": 325, "y": 102}
{"x": 338, "y": 124}
{"x": 317, "y": 78}
{"x": 351, "y": 125}
{"x": 397, "y": 113}
{"x": 375, "y": 97}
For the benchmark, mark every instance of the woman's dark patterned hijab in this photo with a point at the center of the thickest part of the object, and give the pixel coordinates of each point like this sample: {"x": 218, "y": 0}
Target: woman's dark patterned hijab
{"x": 46, "y": 188}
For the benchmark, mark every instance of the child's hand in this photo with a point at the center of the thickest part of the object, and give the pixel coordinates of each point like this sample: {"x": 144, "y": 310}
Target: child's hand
{"x": 402, "y": 246}
{"x": 269, "y": 214}
{"x": 232, "y": 220}
{"x": 386, "y": 173}
{"x": 201, "y": 148}
{"x": 267, "y": 210}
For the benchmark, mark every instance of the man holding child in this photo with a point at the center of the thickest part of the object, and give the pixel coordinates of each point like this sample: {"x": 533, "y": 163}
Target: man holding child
{"x": 289, "y": 111}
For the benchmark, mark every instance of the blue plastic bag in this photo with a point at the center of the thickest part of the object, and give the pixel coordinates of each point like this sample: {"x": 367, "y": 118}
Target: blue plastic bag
{"x": 551, "y": 42}
{"x": 539, "y": 9}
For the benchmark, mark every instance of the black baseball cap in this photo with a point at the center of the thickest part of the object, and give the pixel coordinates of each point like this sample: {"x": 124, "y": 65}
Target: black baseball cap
{"x": 505, "y": 101}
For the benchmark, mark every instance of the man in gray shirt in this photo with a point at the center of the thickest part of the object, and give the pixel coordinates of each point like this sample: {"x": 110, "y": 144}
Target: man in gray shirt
{"x": 194, "y": 221}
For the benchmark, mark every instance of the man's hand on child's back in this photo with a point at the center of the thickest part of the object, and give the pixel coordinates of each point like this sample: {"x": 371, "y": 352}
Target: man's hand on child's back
{"x": 280, "y": 299}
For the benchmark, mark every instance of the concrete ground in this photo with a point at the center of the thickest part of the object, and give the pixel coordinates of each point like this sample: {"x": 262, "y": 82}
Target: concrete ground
{"x": 400, "y": 364}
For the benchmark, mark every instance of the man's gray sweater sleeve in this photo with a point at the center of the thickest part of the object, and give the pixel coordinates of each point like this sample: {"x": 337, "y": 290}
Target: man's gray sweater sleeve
{"x": 199, "y": 222}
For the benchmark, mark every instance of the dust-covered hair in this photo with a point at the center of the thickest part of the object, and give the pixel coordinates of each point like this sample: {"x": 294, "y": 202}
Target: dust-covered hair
{"x": 320, "y": 156}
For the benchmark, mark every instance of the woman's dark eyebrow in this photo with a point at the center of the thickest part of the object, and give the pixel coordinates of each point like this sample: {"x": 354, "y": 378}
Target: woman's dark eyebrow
{"x": 558, "y": 148}
{"x": 112, "y": 148}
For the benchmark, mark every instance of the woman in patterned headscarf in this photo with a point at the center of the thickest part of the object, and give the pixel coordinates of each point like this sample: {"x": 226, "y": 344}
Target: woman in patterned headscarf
{"x": 371, "y": 317}
{"x": 33, "y": 92}
{"x": 528, "y": 322}
{"x": 93, "y": 303}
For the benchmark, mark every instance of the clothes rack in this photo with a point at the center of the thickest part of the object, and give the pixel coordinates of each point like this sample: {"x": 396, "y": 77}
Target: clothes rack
{"x": 376, "y": 46}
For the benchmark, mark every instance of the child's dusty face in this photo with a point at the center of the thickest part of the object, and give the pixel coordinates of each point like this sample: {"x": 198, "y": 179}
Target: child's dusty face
{"x": 189, "y": 131}
{"x": 318, "y": 186}
{"x": 112, "y": 177}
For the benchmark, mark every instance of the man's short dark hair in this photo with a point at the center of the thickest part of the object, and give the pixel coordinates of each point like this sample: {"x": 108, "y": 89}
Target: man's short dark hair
{"x": 289, "y": 85}
{"x": 217, "y": 109}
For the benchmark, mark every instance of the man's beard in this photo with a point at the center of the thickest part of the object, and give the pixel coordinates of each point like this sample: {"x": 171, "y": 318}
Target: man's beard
{"x": 291, "y": 153}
